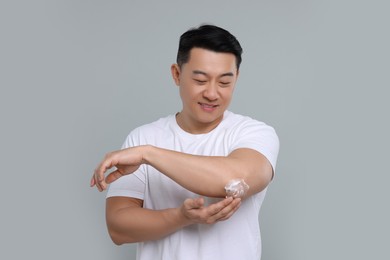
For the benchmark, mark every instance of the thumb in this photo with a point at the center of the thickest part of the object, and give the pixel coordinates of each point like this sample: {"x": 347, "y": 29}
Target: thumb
{"x": 113, "y": 176}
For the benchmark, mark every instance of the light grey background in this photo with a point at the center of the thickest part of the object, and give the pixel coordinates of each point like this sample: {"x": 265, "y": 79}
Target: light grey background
{"x": 77, "y": 76}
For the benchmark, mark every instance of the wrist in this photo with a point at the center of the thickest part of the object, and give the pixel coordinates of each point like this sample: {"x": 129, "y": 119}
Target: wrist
{"x": 175, "y": 218}
{"x": 146, "y": 151}
{"x": 181, "y": 217}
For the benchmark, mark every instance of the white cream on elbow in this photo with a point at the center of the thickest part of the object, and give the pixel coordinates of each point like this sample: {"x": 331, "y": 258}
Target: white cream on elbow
{"x": 236, "y": 188}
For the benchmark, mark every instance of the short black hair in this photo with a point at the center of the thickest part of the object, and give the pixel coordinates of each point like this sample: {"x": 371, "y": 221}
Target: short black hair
{"x": 209, "y": 37}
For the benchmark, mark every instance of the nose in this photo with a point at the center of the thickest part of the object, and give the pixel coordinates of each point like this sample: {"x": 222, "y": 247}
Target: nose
{"x": 211, "y": 92}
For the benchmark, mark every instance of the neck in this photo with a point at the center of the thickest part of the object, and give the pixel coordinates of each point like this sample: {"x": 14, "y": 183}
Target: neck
{"x": 192, "y": 127}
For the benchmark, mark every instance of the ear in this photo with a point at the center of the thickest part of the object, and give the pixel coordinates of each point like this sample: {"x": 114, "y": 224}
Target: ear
{"x": 175, "y": 70}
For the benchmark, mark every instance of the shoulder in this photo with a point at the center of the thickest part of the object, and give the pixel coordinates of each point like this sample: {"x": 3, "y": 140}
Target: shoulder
{"x": 160, "y": 124}
{"x": 148, "y": 132}
{"x": 247, "y": 132}
{"x": 241, "y": 123}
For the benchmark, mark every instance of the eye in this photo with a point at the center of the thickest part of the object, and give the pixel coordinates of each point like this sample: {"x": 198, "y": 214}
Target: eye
{"x": 200, "y": 82}
{"x": 224, "y": 84}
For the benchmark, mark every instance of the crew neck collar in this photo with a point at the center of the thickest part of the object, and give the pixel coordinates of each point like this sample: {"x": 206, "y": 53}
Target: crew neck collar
{"x": 183, "y": 132}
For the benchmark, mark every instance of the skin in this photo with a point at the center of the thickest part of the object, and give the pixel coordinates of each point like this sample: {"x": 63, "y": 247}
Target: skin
{"x": 206, "y": 84}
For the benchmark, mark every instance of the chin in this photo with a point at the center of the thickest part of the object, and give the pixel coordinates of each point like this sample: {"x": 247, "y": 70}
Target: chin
{"x": 209, "y": 119}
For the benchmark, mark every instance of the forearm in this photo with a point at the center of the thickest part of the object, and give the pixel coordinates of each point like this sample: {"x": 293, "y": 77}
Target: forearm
{"x": 135, "y": 224}
{"x": 206, "y": 175}
{"x": 129, "y": 222}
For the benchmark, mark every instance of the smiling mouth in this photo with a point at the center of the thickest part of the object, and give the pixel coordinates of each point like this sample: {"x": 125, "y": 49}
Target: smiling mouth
{"x": 207, "y": 106}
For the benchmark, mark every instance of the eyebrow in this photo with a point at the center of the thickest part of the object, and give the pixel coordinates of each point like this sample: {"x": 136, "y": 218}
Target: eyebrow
{"x": 199, "y": 72}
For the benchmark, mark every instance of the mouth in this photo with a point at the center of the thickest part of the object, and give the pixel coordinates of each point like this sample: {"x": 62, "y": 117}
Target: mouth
{"x": 208, "y": 107}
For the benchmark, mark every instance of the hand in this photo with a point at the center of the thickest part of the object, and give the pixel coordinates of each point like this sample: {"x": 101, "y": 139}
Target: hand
{"x": 195, "y": 212}
{"x": 126, "y": 162}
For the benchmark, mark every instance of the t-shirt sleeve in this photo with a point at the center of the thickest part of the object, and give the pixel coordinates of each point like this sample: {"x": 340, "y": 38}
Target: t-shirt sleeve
{"x": 132, "y": 185}
{"x": 260, "y": 137}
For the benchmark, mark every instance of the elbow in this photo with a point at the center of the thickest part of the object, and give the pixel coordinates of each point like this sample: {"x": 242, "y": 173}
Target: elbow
{"x": 117, "y": 242}
{"x": 116, "y": 238}
{"x": 120, "y": 239}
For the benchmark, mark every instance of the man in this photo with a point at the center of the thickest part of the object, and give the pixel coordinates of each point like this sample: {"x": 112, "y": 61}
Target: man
{"x": 168, "y": 190}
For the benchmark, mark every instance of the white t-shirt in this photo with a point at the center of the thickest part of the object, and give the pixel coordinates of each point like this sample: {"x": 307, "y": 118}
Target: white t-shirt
{"x": 235, "y": 238}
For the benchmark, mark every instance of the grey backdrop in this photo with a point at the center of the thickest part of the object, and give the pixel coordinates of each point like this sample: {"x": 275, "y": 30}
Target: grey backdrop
{"x": 77, "y": 76}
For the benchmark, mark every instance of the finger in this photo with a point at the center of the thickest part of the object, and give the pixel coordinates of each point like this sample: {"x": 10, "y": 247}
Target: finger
{"x": 194, "y": 203}
{"x": 98, "y": 183}
{"x": 101, "y": 169}
{"x": 113, "y": 176}
{"x": 226, "y": 208}
{"x": 92, "y": 182}
{"x": 214, "y": 209}
{"x": 99, "y": 173}
{"x": 96, "y": 179}
{"x": 227, "y": 214}
{"x": 198, "y": 202}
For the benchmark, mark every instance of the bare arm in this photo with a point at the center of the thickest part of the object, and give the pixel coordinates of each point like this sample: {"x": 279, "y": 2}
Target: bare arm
{"x": 208, "y": 175}
{"x": 128, "y": 222}
{"x": 205, "y": 175}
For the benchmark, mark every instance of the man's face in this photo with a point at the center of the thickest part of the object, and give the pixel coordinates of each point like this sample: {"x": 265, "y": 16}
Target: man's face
{"x": 206, "y": 84}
